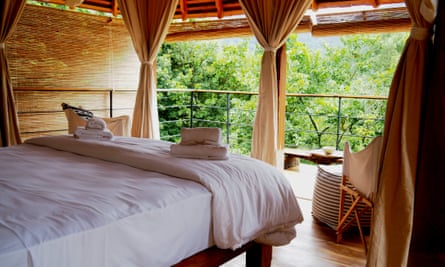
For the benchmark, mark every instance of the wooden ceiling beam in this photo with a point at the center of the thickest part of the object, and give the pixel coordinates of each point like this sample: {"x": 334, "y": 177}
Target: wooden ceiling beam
{"x": 219, "y": 8}
{"x": 397, "y": 25}
{"x": 221, "y": 5}
{"x": 342, "y": 22}
{"x": 362, "y": 27}
{"x": 102, "y": 2}
{"x": 320, "y": 4}
{"x": 328, "y": 25}
{"x": 115, "y": 8}
{"x": 97, "y": 8}
{"x": 345, "y": 3}
{"x": 183, "y": 9}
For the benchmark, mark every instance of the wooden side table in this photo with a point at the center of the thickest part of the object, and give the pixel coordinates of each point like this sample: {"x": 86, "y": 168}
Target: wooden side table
{"x": 318, "y": 156}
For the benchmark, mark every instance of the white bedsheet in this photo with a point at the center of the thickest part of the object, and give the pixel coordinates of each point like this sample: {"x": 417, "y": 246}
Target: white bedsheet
{"x": 62, "y": 209}
{"x": 251, "y": 199}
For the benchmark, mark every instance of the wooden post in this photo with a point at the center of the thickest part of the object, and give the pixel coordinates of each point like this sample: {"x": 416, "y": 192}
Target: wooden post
{"x": 259, "y": 255}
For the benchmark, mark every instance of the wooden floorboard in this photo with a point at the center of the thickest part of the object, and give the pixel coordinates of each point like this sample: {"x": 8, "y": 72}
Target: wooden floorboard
{"x": 315, "y": 244}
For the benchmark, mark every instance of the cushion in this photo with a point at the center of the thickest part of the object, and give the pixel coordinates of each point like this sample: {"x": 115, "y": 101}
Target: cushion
{"x": 78, "y": 117}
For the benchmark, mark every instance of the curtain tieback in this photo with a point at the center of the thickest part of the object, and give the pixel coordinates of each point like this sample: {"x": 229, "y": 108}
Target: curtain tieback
{"x": 270, "y": 49}
{"x": 420, "y": 33}
{"x": 147, "y": 63}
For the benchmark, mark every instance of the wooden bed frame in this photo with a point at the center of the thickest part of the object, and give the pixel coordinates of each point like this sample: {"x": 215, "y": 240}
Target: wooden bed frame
{"x": 257, "y": 255}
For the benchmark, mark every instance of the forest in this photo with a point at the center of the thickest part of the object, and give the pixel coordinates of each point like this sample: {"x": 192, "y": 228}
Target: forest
{"x": 336, "y": 92}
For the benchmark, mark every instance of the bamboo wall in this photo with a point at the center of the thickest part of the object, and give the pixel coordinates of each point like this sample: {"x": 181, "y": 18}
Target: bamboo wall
{"x": 40, "y": 111}
{"x": 59, "y": 56}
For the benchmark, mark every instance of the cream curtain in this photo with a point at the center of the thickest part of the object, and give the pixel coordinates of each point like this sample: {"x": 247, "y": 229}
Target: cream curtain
{"x": 428, "y": 238}
{"x": 147, "y": 22}
{"x": 271, "y": 22}
{"x": 11, "y": 11}
{"x": 393, "y": 214}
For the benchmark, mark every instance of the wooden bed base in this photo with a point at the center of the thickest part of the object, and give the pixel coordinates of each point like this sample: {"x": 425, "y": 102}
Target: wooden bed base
{"x": 257, "y": 255}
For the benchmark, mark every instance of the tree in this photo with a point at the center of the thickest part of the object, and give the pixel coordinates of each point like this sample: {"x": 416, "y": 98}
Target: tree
{"x": 208, "y": 65}
{"x": 360, "y": 65}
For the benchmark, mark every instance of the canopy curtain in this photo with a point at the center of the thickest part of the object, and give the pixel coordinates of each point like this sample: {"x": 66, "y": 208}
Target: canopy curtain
{"x": 147, "y": 22}
{"x": 393, "y": 213}
{"x": 271, "y": 22}
{"x": 427, "y": 243}
{"x": 11, "y": 11}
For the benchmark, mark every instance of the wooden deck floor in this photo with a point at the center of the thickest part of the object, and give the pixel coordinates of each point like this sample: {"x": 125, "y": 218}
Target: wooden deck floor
{"x": 315, "y": 243}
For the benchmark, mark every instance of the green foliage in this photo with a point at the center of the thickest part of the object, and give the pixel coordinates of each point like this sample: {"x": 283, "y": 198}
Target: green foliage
{"x": 210, "y": 66}
{"x": 359, "y": 65}
{"x": 362, "y": 65}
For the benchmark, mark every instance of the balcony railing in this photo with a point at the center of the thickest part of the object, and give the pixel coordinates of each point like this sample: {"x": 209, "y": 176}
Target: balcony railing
{"x": 312, "y": 120}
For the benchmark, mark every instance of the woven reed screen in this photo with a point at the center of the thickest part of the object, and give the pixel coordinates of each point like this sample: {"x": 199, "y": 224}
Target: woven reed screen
{"x": 60, "y": 56}
{"x": 62, "y": 49}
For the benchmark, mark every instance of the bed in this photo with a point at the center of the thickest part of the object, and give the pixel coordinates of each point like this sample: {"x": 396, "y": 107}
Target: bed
{"x": 128, "y": 202}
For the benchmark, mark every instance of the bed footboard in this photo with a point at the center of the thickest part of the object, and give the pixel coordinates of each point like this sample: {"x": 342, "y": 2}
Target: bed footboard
{"x": 257, "y": 255}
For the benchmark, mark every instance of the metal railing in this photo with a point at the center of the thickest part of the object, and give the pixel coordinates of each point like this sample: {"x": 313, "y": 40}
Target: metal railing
{"x": 312, "y": 120}
{"x": 331, "y": 120}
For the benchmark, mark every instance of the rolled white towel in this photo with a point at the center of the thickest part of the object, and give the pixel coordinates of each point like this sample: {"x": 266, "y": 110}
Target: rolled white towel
{"x": 95, "y": 134}
{"x": 201, "y": 136}
{"x": 214, "y": 152}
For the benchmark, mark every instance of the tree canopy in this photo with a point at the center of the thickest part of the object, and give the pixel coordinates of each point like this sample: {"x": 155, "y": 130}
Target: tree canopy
{"x": 357, "y": 65}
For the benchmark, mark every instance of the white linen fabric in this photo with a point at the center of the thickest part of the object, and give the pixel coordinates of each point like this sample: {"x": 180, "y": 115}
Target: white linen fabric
{"x": 214, "y": 152}
{"x": 201, "y": 136}
{"x": 362, "y": 167}
{"x": 147, "y": 23}
{"x": 96, "y": 128}
{"x": 271, "y": 22}
{"x": 251, "y": 199}
{"x": 390, "y": 237}
{"x": 93, "y": 134}
{"x": 96, "y": 123}
{"x": 62, "y": 209}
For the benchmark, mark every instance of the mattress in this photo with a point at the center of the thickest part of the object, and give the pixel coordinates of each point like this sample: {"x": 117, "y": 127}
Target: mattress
{"x": 129, "y": 202}
{"x": 63, "y": 209}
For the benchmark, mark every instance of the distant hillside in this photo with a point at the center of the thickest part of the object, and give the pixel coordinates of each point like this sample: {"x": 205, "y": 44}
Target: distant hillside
{"x": 318, "y": 42}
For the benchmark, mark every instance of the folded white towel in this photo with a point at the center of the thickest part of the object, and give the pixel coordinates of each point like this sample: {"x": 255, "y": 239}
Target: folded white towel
{"x": 214, "y": 152}
{"x": 201, "y": 136}
{"x": 96, "y": 123}
{"x": 95, "y": 134}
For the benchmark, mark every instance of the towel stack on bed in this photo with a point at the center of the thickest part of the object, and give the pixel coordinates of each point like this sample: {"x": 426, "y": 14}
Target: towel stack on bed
{"x": 200, "y": 143}
{"x": 95, "y": 128}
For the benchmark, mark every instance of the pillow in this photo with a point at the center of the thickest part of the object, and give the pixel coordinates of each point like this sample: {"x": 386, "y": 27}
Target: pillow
{"x": 117, "y": 125}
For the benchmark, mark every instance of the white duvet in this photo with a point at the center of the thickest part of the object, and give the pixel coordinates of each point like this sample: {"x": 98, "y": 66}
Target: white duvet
{"x": 251, "y": 199}
{"x": 62, "y": 209}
